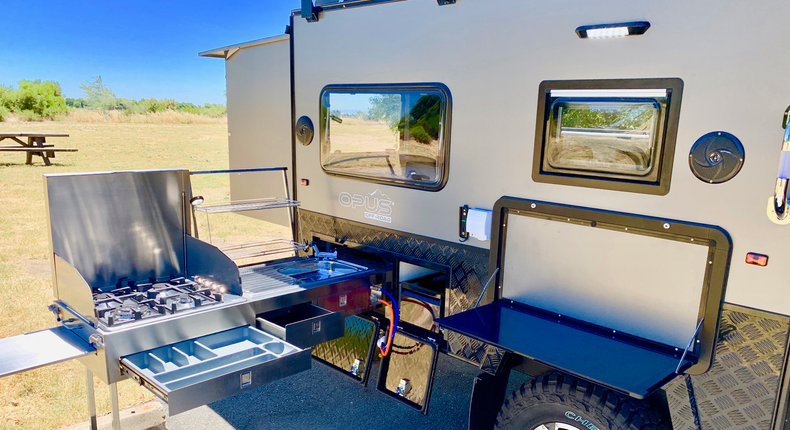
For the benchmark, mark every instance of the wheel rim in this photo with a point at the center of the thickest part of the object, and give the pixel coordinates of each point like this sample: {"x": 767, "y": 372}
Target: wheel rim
{"x": 555, "y": 426}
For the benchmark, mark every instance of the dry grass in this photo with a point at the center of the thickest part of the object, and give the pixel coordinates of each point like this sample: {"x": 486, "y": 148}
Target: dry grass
{"x": 380, "y": 149}
{"x": 55, "y": 396}
{"x": 95, "y": 116}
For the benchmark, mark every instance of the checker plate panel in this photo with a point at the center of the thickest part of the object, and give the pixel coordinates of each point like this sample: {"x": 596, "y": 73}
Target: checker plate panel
{"x": 469, "y": 272}
{"x": 741, "y": 388}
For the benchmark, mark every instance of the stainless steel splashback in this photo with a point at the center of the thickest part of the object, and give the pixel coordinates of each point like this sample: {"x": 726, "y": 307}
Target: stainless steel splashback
{"x": 117, "y": 225}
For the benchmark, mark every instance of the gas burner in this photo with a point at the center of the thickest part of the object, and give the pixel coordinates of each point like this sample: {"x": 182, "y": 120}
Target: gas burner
{"x": 141, "y": 288}
{"x": 123, "y": 313}
{"x": 103, "y": 296}
{"x": 136, "y": 301}
{"x": 181, "y": 302}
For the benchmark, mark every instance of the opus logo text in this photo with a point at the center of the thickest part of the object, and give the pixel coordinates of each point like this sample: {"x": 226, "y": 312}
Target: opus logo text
{"x": 377, "y": 205}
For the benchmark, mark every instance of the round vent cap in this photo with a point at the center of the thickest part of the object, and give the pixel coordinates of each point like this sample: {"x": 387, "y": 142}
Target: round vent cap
{"x": 716, "y": 157}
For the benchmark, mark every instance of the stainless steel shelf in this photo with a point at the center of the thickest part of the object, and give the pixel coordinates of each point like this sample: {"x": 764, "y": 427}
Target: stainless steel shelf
{"x": 247, "y": 205}
{"x": 260, "y": 249}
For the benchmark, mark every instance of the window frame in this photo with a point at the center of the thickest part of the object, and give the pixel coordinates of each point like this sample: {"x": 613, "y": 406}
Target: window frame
{"x": 664, "y": 151}
{"x": 444, "y": 142}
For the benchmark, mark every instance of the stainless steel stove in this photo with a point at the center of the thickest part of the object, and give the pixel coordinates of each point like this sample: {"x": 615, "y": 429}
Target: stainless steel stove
{"x": 141, "y": 300}
{"x": 137, "y": 296}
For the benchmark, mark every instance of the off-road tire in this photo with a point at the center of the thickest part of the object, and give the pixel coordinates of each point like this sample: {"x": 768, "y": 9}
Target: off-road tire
{"x": 559, "y": 398}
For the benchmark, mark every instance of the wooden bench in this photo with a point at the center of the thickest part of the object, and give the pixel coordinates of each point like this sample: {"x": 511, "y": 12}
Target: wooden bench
{"x": 35, "y": 145}
{"x": 36, "y": 151}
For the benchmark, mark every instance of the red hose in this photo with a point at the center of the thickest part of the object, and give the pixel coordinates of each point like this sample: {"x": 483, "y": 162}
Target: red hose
{"x": 386, "y": 350}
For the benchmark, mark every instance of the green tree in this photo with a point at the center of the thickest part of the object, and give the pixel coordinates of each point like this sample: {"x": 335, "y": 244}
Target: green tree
{"x": 75, "y": 103}
{"x": 385, "y": 107}
{"x": 98, "y": 95}
{"x": 424, "y": 120}
{"x": 33, "y": 100}
{"x": 626, "y": 117}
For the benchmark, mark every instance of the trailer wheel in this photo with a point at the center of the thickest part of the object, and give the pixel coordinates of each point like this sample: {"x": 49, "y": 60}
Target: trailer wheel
{"x": 560, "y": 402}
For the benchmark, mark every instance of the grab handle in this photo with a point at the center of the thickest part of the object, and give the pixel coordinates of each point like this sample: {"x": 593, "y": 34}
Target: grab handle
{"x": 780, "y": 189}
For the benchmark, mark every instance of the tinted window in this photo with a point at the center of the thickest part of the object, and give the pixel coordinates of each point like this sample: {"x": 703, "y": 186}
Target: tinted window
{"x": 613, "y": 134}
{"x": 386, "y": 135}
{"x": 616, "y": 136}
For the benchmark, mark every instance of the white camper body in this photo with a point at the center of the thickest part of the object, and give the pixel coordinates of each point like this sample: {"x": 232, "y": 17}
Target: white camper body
{"x": 711, "y": 73}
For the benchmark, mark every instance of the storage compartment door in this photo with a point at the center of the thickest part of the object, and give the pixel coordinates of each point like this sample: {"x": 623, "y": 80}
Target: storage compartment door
{"x": 406, "y": 374}
{"x": 209, "y": 368}
{"x": 352, "y": 354}
{"x": 624, "y": 300}
{"x": 259, "y": 123}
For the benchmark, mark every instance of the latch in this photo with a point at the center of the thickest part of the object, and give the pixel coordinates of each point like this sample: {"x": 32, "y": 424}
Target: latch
{"x": 356, "y": 367}
{"x": 404, "y": 387}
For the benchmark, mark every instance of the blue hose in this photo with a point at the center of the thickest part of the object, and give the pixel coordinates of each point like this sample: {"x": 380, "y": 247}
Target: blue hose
{"x": 394, "y": 306}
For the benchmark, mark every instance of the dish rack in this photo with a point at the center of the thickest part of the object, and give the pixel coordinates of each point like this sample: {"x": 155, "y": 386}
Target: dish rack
{"x": 259, "y": 248}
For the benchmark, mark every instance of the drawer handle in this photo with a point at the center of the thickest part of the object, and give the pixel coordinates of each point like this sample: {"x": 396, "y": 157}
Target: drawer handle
{"x": 246, "y": 379}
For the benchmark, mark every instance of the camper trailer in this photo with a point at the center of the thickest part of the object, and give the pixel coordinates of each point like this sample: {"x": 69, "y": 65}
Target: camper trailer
{"x": 560, "y": 189}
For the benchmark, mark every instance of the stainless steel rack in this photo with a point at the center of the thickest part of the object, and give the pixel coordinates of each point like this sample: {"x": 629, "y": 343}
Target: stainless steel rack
{"x": 253, "y": 249}
{"x": 260, "y": 249}
{"x": 247, "y": 205}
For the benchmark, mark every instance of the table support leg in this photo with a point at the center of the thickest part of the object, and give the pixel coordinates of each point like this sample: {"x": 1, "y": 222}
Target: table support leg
{"x": 116, "y": 416}
{"x": 40, "y": 143}
{"x": 29, "y": 155}
{"x": 91, "y": 400}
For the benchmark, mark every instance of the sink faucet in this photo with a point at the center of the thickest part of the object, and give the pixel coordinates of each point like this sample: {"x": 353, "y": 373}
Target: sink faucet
{"x": 323, "y": 255}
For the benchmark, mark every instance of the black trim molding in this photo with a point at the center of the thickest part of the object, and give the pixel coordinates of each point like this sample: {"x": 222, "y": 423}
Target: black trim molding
{"x": 666, "y": 146}
{"x": 718, "y": 240}
{"x": 374, "y": 88}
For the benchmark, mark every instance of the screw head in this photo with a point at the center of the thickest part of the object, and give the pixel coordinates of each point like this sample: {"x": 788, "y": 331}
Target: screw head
{"x": 666, "y": 225}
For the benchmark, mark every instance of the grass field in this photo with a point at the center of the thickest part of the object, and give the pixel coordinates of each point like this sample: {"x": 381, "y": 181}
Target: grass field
{"x": 55, "y": 396}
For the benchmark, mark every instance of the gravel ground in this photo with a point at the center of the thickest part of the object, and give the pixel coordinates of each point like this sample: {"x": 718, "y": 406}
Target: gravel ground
{"x": 322, "y": 399}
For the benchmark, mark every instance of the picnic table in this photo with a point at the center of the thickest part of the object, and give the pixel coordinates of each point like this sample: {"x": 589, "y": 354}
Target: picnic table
{"x": 35, "y": 144}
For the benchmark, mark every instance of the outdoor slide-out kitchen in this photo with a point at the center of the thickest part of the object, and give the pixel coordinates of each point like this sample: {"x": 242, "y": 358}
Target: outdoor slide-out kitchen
{"x": 583, "y": 192}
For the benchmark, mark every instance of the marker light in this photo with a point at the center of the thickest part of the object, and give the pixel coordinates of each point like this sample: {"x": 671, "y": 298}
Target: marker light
{"x": 757, "y": 259}
{"x": 597, "y": 33}
{"x": 602, "y": 31}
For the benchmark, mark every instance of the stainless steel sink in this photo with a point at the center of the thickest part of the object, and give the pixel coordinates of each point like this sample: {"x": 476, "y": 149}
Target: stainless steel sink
{"x": 313, "y": 269}
{"x": 280, "y": 277}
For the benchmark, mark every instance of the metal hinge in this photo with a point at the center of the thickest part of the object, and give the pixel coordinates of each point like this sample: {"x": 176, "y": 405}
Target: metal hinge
{"x": 54, "y": 309}
{"x": 96, "y": 341}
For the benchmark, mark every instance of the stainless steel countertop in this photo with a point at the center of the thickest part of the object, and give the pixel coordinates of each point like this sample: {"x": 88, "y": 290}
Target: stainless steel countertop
{"x": 38, "y": 349}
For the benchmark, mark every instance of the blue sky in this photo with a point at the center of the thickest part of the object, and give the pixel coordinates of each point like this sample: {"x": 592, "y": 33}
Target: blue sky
{"x": 140, "y": 48}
